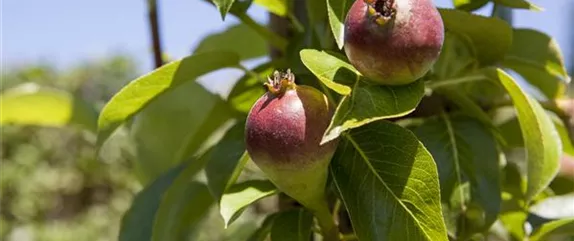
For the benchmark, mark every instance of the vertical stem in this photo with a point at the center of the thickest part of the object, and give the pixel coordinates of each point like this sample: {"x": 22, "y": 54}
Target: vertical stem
{"x": 154, "y": 31}
{"x": 329, "y": 229}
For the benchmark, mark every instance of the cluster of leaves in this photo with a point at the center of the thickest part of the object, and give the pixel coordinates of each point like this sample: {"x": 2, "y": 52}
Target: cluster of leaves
{"x": 463, "y": 153}
{"x": 447, "y": 169}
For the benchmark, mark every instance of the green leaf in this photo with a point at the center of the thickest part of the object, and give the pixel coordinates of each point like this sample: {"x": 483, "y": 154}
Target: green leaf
{"x": 556, "y": 227}
{"x": 31, "y": 104}
{"x": 137, "y": 94}
{"x": 138, "y": 221}
{"x": 464, "y": 149}
{"x": 537, "y": 57}
{"x": 555, "y": 207}
{"x": 521, "y": 4}
{"x": 567, "y": 145}
{"x": 263, "y": 231}
{"x": 273, "y": 38}
{"x": 241, "y": 195}
{"x": 491, "y": 37}
{"x": 389, "y": 184}
{"x": 239, "y": 38}
{"x": 239, "y": 9}
{"x": 293, "y": 225}
{"x": 175, "y": 126}
{"x": 510, "y": 130}
{"x": 182, "y": 208}
{"x": 250, "y": 88}
{"x": 371, "y": 102}
{"x": 457, "y": 58}
{"x": 223, "y": 6}
{"x": 541, "y": 140}
{"x": 330, "y": 70}
{"x": 337, "y": 12}
{"x": 514, "y": 223}
{"x": 316, "y": 10}
{"x": 538, "y": 49}
{"x": 466, "y": 104}
{"x": 225, "y": 161}
{"x": 469, "y": 5}
{"x": 278, "y": 7}
{"x": 512, "y": 133}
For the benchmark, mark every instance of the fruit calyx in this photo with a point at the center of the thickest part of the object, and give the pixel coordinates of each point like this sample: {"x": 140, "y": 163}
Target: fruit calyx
{"x": 382, "y": 10}
{"x": 281, "y": 82}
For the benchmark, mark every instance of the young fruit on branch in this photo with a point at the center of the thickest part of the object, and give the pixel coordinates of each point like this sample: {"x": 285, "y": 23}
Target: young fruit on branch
{"x": 283, "y": 133}
{"x": 393, "y": 42}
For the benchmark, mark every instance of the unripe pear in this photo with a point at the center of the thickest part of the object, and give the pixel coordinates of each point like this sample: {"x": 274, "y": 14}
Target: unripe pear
{"x": 393, "y": 42}
{"x": 283, "y": 133}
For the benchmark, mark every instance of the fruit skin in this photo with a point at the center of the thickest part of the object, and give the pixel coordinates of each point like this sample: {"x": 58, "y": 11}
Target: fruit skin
{"x": 396, "y": 47}
{"x": 283, "y": 134}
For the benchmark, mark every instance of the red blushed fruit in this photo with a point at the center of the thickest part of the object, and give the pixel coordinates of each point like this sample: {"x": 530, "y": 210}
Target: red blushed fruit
{"x": 393, "y": 42}
{"x": 283, "y": 134}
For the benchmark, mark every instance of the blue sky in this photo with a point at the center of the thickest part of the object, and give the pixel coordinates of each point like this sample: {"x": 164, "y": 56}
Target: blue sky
{"x": 66, "y": 31}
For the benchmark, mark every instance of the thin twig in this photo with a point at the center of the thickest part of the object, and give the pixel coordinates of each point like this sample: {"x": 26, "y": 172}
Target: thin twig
{"x": 155, "y": 34}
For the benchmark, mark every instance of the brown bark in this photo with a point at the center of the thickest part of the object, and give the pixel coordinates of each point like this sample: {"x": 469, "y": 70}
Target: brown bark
{"x": 155, "y": 33}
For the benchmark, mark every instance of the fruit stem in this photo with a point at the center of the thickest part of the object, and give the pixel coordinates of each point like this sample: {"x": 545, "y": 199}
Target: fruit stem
{"x": 329, "y": 229}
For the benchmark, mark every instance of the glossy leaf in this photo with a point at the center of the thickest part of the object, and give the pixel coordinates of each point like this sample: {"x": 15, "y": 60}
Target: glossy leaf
{"x": 521, "y": 4}
{"x": 556, "y": 227}
{"x": 175, "y": 126}
{"x": 250, "y": 87}
{"x": 293, "y": 225}
{"x": 138, "y": 221}
{"x": 491, "y": 37}
{"x": 337, "y": 12}
{"x": 31, "y": 104}
{"x": 330, "y": 70}
{"x": 278, "y": 7}
{"x": 241, "y": 195}
{"x": 223, "y": 6}
{"x": 514, "y": 223}
{"x": 464, "y": 150}
{"x": 370, "y": 102}
{"x": 137, "y": 94}
{"x": 183, "y": 207}
{"x": 389, "y": 184}
{"x": 469, "y": 5}
{"x": 263, "y": 231}
{"x": 510, "y": 130}
{"x": 541, "y": 140}
{"x": 225, "y": 161}
{"x": 537, "y": 57}
{"x": 555, "y": 207}
{"x": 240, "y": 39}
